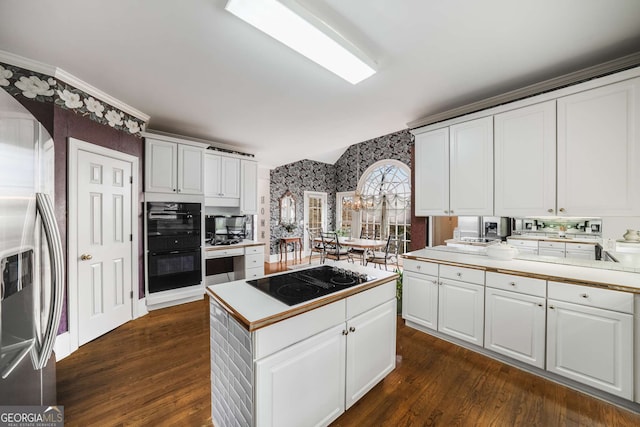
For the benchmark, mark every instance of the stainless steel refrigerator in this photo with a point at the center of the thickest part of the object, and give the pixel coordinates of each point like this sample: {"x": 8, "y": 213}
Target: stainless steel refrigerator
{"x": 31, "y": 259}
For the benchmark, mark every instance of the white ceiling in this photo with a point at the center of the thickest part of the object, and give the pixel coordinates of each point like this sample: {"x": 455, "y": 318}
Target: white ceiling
{"x": 201, "y": 72}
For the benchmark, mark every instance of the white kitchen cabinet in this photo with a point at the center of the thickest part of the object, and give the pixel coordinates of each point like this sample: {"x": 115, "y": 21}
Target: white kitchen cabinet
{"x": 222, "y": 180}
{"x": 601, "y": 128}
{"x": 461, "y": 310}
{"x": 592, "y": 346}
{"x": 454, "y": 169}
{"x": 303, "y": 385}
{"x": 173, "y": 168}
{"x": 471, "y": 167}
{"x": 248, "y": 187}
{"x": 515, "y": 324}
{"x": 525, "y": 161}
{"x": 420, "y": 299}
{"x": 371, "y": 350}
{"x": 580, "y": 251}
{"x": 528, "y": 247}
{"x": 554, "y": 249}
{"x": 432, "y": 173}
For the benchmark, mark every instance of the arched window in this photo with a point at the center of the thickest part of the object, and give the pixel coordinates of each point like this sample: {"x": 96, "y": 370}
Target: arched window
{"x": 385, "y": 192}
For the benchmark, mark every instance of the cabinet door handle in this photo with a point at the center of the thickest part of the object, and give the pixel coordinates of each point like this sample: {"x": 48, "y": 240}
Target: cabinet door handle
{"x": 561, "y": 209}
{"x": 352, "y": 329}
{"x": 584, "y": 295}
{"x": 435, "y": 282}
{"x": 418, "y": 267}
{"x": 551, "y": 307}
{"x": 345, "y": 332}
{"x": 450, "y": 211}
{"x": 541, "y": 305}
{"x": 512, "y": 283}
{"x": 550, "y": 210}
{"x": 174, "y": 189}
{"x": 446, "y": 211}
{"x": 459, "y": 274}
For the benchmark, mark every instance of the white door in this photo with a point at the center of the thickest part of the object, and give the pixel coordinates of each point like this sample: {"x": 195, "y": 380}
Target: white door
{"x": 515, "y": 326}
{"x": 371, "y": 350}
{"x": 315, "y": 214}
{"x": 432, "y": 173}
{"x": 471, "y": 168}
{"x": 461, "y": 310}
{"x": 104, "y": 245}
{"x": 420, "y": 299}
{"x": 591, "y": 346}
{"x": 525, "y": 161}
{"x": 303, "y": 385}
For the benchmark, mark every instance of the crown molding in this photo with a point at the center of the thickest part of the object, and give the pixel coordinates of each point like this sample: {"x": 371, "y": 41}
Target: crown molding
{"x": 205, "y": 143}
{"x": 585, "y": 74}
{"x": 39, "y": 67}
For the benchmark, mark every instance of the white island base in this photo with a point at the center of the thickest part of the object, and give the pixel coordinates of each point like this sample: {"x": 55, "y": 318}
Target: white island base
{"x": 301, "y": 369}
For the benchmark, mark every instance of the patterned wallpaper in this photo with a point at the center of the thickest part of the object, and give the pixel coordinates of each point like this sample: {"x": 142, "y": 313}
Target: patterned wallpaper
{"x": 309, "y": 175}
{"x": 43, "y": 88}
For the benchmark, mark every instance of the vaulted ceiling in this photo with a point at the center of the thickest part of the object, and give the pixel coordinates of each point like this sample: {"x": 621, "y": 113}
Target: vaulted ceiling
{"x": 199, "y": 71}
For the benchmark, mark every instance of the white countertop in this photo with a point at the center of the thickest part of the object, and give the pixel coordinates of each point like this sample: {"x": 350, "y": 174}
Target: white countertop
{"x": 255, "y": 309}
{"x": 587, "y": 273}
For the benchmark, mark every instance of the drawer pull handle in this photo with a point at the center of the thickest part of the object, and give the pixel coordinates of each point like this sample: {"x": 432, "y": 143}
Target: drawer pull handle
{"x": 418, "y": 267}
{"x": 512, "y": 283}
{"x": 540, "y": 305}
{"x": 352, "y": 329}
{"x": 584, "y": 295}
{"x": 551, "y": 307}
{"x": 459, "y": 274}
{"x": 435, "y": 282}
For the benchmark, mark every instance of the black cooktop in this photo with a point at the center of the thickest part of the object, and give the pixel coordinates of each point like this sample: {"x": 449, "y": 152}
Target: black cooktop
{"x": 304, "y": 285}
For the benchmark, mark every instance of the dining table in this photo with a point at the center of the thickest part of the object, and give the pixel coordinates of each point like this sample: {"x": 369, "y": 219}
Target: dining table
{"x": 358, "y": 243}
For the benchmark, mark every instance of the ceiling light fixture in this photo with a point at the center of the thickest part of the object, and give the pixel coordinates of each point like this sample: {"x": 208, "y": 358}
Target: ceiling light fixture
{"x": 295, "y": 27}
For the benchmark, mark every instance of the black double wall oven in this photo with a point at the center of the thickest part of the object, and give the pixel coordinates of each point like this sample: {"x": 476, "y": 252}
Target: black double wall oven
{"x": 173, "y": 245}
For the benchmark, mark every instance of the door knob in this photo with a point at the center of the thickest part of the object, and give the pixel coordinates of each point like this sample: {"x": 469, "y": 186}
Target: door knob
{"x": 85, "y": 257}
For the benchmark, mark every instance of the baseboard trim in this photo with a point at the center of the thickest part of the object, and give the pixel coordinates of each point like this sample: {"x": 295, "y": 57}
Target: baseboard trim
{"x": 62, "y": 346}
{"x": 141, "y": 309}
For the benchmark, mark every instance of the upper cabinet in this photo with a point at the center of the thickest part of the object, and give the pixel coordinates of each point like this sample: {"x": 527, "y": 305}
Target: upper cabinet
{"x": 222, "y": 180}
{"x": 249, "y": 187}
{"x": 525, "y": 161}
{"x": 454, "y": 170}
{"x": 173, "y": 168}
{"x": 599, "y": 151}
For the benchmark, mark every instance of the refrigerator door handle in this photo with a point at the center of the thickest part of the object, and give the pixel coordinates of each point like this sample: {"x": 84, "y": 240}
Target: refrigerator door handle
{"x": 22, "y": 349}
{"x": 45, "y": 209}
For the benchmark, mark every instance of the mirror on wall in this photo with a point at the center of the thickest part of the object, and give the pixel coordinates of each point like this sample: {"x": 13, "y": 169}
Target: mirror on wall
{"x": 287, "y": 208}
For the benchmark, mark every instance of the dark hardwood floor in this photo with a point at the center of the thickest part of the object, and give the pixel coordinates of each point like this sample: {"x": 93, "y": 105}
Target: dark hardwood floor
{"x": 154, "y": 371}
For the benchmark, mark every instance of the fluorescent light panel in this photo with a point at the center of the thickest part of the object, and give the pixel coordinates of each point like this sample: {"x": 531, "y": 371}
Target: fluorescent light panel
{"x": 317, "y": 41}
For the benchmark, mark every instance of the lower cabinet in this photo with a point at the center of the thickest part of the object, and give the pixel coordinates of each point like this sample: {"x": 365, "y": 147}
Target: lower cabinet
{"x": 420, "y": 299}
{"x": 515, "y": 325}
{"x": 461, "y": 310}
{"x": 303, "y": 385}
{"x": 592, "y": 346}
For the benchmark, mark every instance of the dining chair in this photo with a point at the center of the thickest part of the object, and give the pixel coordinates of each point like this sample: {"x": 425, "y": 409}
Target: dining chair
{"x": 389, "y": 256}
{"x": 315, "y": 246}
{"x": 332, "y": 248}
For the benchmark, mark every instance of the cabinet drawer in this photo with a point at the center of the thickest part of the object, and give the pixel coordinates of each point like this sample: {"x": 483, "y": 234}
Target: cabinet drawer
{"x": 359, "y": 303}
{"x": 221, "y": 253}
{"x": 518, "y": 243}
{"x": 420, "y": 267}
{"x": 594, "y": 297}
{"x": 254, "y": 273}
{"x": 587, "y": 247}
{"x": 254, "y": 250}
{"x": 522, "y": 285}
{"x": 461, "y": 273}
{"x": 253, "y": 261}
{"x": 553, "y": 245}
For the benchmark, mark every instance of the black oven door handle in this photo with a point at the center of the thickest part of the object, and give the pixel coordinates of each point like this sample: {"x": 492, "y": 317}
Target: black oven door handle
{"x": 188, "y": 251}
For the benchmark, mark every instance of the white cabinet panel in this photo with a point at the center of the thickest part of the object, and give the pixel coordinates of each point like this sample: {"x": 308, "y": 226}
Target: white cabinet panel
{"x": 303, "y": 385}
{"x": 591, "y": 346}
{"x": 221, "y": 180}
{"x": 230, "y": 177}
{"x": 190, "y": 169}
{"x": 600, "y": 127}
{"x": 525, "y": 161}
{"x": 471, "y": 167}
{"x": 161, "y": 174}
{"x": 420, "y": 299}
{"x": 248, "y": 187}
{"x": 461, "y": 310}
{"x": 432, "y": 173}
{"x": 371, "y": 350}
{"x": 515, "y": 326}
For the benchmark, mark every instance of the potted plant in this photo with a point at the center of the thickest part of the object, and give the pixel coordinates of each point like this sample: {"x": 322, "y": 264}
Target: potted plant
{"x": 399, "y": 290}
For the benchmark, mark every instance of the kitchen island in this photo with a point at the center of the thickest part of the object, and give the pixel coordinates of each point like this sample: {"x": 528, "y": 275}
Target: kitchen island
{"x": 274, "y": 364}
{"x": 577, "y": 323}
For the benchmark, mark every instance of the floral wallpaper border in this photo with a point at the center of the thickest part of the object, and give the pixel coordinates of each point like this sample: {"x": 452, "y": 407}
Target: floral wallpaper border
{"x": 43, "y": 88}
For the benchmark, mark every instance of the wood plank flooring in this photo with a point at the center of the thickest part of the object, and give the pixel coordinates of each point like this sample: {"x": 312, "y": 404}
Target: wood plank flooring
{"x": 154, "y": 371}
